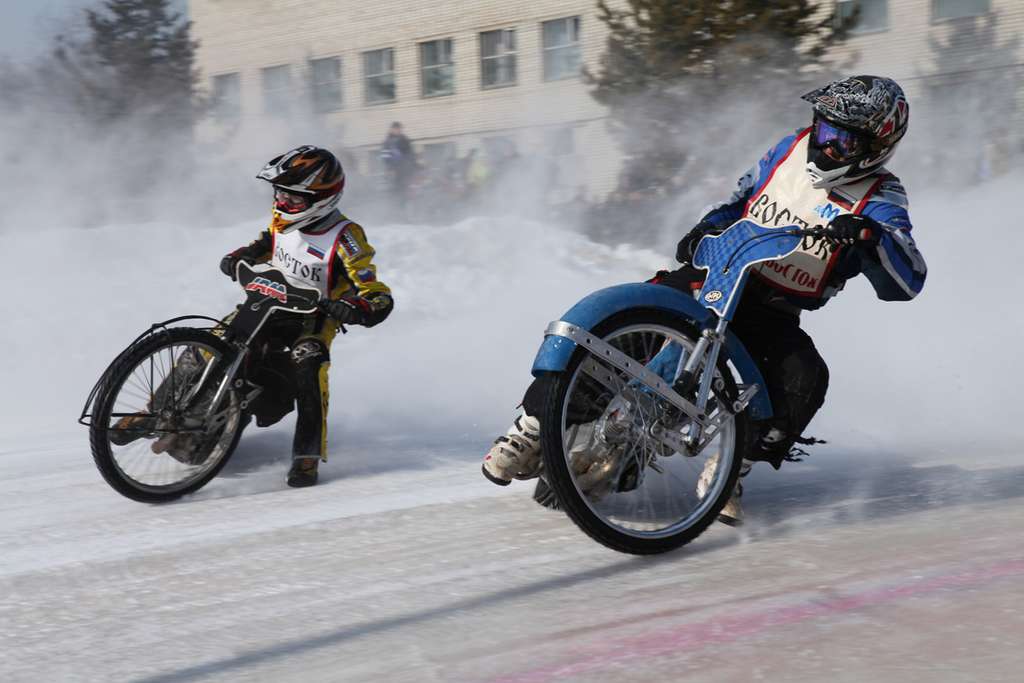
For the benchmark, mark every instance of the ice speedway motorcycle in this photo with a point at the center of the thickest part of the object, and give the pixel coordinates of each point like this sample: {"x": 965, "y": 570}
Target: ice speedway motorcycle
{"x": 643, "y": 385}
{"x": 168, "y": 412}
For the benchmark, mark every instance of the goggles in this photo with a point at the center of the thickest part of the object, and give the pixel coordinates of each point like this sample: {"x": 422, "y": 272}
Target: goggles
{"x": 843, "y": 142}
{"x": 289, "y": 202}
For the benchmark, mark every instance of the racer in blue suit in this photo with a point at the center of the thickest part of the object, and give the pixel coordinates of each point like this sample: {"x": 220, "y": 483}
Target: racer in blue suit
{"x": 830, "y": 174}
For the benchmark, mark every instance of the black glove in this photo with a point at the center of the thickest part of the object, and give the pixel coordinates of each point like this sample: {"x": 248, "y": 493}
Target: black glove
{"x": 688, "y": 245}
{"x": 229, "y": 262}
{"x": 851, "y": 229}
{"x": 344, "y": 311}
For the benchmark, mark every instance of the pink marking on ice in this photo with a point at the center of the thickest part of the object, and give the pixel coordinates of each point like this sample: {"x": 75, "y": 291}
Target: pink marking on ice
{"x": 672, "y": 641}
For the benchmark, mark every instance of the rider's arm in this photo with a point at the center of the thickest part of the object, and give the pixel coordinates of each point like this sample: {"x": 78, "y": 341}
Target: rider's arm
{"x": 724, "y": 214}
{"x": 895, "y": 267}
{"x": 359, "y": 284}
{"x": 257, "y": 251}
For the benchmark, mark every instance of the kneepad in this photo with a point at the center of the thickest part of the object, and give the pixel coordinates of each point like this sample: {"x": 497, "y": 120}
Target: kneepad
{"x": 310, "y": 352}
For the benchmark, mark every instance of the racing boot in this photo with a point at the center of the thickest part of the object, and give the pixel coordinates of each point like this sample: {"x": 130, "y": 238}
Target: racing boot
{"x": 732, "y": 513}
{"x": 516, "y": 455}
{"x": 164, "y": 443}
{"x": 130, "y": 428}
{"x": 304, "y": 471}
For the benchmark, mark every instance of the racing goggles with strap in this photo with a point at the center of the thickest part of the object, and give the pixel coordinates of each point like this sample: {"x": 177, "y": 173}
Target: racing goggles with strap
{"x": 844, "y": 143}
{"x": 290, "y": 202}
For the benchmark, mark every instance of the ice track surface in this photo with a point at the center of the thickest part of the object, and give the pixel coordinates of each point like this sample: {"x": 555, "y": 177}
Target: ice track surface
{"x": 894, "y": 553}
{"x": 852, "y": 566}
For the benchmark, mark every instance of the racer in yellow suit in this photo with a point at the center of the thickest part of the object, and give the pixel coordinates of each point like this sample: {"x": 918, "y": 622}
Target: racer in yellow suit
{"x": 316, "y": 245}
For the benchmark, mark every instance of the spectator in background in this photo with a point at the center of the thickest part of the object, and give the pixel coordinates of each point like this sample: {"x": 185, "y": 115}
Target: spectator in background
{"x": 475, "y": 171}
{"x": 400, "y": 161}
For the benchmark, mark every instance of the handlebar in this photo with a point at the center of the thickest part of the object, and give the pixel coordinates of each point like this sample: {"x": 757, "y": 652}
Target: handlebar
{"x": 810, "y": 232}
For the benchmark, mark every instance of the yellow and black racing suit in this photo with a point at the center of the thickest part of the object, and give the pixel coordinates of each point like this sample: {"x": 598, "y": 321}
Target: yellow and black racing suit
{"x": 301, "y": 344}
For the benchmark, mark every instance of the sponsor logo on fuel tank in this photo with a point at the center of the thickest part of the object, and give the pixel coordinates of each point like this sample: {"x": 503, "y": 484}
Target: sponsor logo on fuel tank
{"x": 274, "y": 290}
{"x": 713, "y": 296}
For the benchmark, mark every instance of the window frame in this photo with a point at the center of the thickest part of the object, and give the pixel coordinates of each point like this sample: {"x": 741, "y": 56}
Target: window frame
{"x": 272, "y": 108}
{"x": 506, "y": 54}
{"x": 337, "y": 82}
{"x": 576, "y": 46}
{"x": 448, "y": 66}
{"x": 938, "y": 20}
{"x": 220, "y": 111}
{"x": 857, "y": 30}
{"x": 367, "y": 77}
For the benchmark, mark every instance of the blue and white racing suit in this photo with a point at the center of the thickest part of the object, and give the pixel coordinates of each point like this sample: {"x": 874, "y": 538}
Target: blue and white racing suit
{"x": 778, "y": 191}
{"x": 895, "y": 267}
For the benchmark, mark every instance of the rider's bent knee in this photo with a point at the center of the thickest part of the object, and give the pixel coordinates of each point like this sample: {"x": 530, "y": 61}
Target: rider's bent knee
{"x": 310, "y": 352}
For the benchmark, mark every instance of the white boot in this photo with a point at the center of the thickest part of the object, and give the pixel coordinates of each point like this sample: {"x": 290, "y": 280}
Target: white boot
{"x": 516, "y": 455}
{"x": 732, "y": 513}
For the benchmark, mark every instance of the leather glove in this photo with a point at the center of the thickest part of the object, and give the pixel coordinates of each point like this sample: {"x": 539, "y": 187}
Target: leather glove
{"x": 228, "y": 263}
{"x": 851, "y": 229}
{"x": 345, "y": 311}
{"x": 688, "y": 245}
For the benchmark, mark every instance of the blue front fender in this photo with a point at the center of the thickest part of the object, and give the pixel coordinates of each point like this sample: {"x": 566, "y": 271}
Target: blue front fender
{"x": 555, "y": 352}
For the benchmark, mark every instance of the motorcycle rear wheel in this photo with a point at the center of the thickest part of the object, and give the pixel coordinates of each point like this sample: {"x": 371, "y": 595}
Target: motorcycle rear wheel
{"x": 149, "y": 435}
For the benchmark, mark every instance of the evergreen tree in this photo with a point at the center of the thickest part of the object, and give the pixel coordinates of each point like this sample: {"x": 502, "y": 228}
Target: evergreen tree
{"x": 137, "y": 58}
{"x": 669, "y": 63}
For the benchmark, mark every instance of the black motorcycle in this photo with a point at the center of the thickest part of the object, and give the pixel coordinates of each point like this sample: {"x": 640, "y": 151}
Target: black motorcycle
{"x": 168, "y": 412}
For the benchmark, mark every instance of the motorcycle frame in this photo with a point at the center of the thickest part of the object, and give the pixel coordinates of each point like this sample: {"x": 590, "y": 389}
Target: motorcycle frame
{"x": 720, "y": 295}
{"x": 239, "y": 333}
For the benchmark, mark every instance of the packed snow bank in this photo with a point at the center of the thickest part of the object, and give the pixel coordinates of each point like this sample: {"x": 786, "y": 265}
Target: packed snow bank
{"x": 473, "y": 300}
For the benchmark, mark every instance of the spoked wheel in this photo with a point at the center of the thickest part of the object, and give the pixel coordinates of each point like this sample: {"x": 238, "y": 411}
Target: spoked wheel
{"x": 610, "y": 443}
{"x": 154, "y": 435}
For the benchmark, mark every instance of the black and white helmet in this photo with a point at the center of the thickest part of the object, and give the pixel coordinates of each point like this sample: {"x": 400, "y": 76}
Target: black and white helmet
{"x": 858, "y": 122}
{"x": 308, "y": 182}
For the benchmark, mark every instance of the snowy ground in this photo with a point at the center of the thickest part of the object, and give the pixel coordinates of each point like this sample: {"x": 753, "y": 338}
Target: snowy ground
{"x": 405, "y": 566}
{"x": 896, "y": 552}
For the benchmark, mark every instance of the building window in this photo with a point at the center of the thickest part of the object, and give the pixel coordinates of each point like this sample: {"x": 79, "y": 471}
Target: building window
{"x": 227, "y": 97}
{"x": 437, "y": 70}
{"x": 498, "y": 58}
{"x": 957, "y": 9}
{"x": 277, "y": 90}
{"x": 325, "y": 81}
{"x": 379, "y": 75}
{"x": 868, "y": 15}
{"x": 561, "y": 41}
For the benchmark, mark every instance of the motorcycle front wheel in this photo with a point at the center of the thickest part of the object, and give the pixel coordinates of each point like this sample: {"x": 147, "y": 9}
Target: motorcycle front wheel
{"x": 154, "y": 435}
{"x": 605, "y": 452}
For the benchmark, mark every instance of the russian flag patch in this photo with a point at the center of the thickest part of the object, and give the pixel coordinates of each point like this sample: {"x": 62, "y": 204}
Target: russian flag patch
{"x": 314, "y": 251}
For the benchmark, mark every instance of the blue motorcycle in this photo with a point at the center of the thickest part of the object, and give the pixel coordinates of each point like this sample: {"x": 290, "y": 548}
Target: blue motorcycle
{"x": 651, "y": 403}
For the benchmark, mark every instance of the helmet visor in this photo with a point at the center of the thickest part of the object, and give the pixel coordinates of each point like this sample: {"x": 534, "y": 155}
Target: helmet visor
{"x": 290, "y": 202}
{"x": 840, "y": 143}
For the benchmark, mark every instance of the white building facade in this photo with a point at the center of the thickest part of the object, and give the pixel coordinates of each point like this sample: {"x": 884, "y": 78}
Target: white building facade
{"x": 500, "y": 75}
